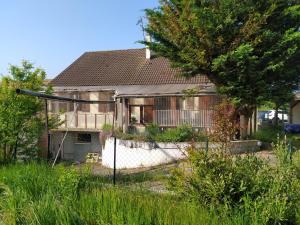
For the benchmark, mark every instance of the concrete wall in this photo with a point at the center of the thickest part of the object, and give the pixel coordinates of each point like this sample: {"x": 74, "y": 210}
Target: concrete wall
{"x": 72, "y": 150}
{"x": 133, "y": 154}
{"x": 295, "y": 119}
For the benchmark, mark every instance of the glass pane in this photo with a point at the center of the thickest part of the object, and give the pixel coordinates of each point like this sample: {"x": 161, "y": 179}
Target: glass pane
{"x": 135, "y": 116}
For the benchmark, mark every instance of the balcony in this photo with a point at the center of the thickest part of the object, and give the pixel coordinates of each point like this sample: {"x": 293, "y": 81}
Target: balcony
{"x": 85, "y": 121}
{"x": 194, "y": 118}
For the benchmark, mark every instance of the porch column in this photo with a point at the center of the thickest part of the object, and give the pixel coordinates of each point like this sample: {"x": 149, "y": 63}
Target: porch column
{"x": 75, "y": 112}
{"x": 173, "y": 109}
{"x": 125, "y": 114}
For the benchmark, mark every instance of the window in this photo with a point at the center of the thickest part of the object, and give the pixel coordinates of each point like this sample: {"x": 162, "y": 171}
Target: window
{"x": 84, "y": 107}
{"x": 141, "y": 114}
{"x": 84, "y": 138}
{"x": 135, "y": 114}
{"x": 106, "y": 107}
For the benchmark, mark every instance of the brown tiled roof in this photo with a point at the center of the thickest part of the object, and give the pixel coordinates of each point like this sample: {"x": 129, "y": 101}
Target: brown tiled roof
{"x": 121, "y": 67}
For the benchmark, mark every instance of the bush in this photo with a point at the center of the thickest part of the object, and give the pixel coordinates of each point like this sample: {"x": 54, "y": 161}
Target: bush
{"x": 152, "y": 130}
{"x": 179, "y": 134}
{"x": 153, "y": 133}
{"x": 107, "y": 128}
{"x": 225, "y": 124}
{"x": 268, "y": 134}
{"x": 265, "y": 194}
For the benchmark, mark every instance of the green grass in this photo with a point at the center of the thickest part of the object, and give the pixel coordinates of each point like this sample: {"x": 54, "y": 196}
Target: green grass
{"x": 36, "y": 194}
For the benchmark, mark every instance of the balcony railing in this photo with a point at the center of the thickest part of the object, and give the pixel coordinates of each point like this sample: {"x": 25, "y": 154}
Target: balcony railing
{"x": 85, "y": 120}
{"x": 195, "y": 118}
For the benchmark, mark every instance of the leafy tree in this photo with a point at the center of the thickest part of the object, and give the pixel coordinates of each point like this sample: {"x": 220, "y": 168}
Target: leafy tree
{"x": 21, "y": 122}
{"x": 249, "y": 48}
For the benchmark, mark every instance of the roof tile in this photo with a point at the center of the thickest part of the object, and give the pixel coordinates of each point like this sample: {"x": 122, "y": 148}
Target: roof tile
{"x": 122, "y": 67}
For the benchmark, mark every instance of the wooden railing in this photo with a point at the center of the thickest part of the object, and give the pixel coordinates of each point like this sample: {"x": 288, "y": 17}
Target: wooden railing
{"x": 195, "y": 118}
{"x": 86, "y": 120}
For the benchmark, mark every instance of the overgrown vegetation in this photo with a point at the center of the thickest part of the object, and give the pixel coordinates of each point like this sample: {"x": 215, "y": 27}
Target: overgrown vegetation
{"x": 36, "y": 194}
{"x": 264, "y": 193}
{"x": 21, "y": 122}
{"x": 153, "y": 133}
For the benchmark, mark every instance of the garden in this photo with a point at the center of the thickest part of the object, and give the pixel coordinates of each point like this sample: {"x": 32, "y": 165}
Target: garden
{"x": 250, "y": 51}
{"x": 211, "y": 188}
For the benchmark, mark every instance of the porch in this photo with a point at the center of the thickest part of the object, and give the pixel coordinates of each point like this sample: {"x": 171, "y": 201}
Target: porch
{"x": 166, "y": 111}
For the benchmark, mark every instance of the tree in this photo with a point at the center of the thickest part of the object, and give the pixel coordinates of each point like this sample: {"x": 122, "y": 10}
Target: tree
{"x": 247, "y": 48}
{"x": 21, "y": 122}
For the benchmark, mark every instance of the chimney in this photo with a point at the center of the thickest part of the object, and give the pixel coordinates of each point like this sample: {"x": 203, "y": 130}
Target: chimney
{"x": 148, "y": 52}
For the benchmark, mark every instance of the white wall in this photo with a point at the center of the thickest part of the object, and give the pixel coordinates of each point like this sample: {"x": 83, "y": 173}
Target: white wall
{"x": 132, "y": 154}
{"x": 296, "y": 114}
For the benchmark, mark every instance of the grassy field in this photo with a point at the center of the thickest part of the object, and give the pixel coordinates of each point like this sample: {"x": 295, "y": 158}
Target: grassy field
{"x": 36, "y": 194}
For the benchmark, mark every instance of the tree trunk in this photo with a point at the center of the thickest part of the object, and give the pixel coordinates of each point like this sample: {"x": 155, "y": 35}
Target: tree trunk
{"x": 15, "y": 150}
{"x": 276, "y": 117}
{"x": 246, "y": 113}
{"x": 244, "y": 126}
{"x": 4, "y": 152}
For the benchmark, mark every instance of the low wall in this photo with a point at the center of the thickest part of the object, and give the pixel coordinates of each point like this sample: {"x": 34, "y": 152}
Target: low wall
{"x": 134, "y": 154}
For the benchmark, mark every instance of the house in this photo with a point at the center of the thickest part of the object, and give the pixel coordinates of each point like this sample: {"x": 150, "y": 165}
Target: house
{"x": 295, "y": 110}
{"x": 145, "y": 88}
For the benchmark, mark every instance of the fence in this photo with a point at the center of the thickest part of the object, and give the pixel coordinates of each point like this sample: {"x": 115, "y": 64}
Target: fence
{"x": 172, "y": 118}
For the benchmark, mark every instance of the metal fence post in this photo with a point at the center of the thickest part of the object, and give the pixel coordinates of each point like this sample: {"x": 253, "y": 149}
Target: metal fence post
{"x": 115, "y": 154}
{"x": 206, "y": 145}
{"x": 290, "y": 150}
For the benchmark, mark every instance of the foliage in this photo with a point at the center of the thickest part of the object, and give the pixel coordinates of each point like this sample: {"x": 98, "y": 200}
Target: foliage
{"x": 130, "y": 136}
{"x": 152, "y": 130}
{"x": 225, "y": 124}
{"x": 107, "y": 128}
{"x": 264, "y": 193}
{"x": 268, "y": 134}
{"x": 248, "y": 49}
{"x": 36, "y": 194}
{"x": 179, "y": 134}
{"x": 153, "y": 133}
{"x": 21, "y": 122}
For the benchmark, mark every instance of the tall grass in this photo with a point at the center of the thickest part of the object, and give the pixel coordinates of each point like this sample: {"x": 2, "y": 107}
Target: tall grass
{"x": 36, "y": 194}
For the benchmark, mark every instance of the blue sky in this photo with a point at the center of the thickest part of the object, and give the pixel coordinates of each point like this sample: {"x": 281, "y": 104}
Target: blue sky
{"x": 53, "y": 33}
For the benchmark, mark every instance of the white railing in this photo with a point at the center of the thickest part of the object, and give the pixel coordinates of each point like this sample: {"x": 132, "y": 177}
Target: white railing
{"x": 85, "y": 120}
{"x": 195, "y": 118}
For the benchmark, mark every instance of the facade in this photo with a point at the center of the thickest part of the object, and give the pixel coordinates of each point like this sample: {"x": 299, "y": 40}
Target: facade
{"x": 295, "y": 110}
{"x": 144, "y": 89}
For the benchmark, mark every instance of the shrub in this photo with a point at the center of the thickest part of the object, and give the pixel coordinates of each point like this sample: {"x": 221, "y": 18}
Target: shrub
{"x": 130, "y": 136}
{"x": 225, "y": 124}
{"x": 153, "y": 133}
{"x": 179, "y": 134}
{"x": 268, "y": 134}
{"x": 266, "y": 194}
{"x": 107, "y": 128}
{"x": 152, "y": 130}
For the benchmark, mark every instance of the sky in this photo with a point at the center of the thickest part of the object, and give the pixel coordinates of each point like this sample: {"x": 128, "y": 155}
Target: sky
{"x": 53, "y": 33}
